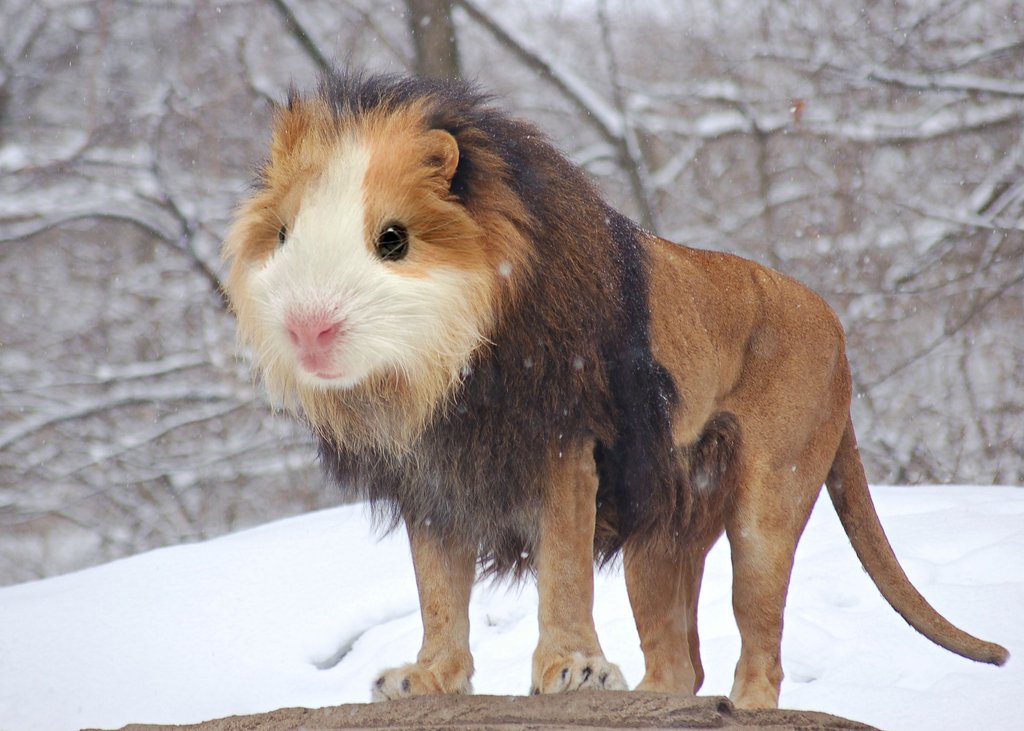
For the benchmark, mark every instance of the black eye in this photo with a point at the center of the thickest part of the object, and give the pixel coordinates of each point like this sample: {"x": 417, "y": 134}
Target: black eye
{"x": 393, "y": 243}
{"x": 282, "y": 234}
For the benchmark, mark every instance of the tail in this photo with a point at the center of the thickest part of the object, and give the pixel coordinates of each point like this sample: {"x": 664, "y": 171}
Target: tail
{"x": 848, "y": 488}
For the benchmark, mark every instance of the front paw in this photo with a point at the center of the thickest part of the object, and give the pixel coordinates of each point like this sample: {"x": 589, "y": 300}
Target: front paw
{"x": 416, "y": 679}
{"x": 578, "y": 672}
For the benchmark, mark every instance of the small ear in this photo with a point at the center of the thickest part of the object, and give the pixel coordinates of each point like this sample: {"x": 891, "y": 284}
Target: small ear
{"x": 444, "y": 153}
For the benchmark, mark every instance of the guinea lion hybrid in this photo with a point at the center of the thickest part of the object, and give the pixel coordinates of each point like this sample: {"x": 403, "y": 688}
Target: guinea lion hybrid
{"x": 530, "y": 381}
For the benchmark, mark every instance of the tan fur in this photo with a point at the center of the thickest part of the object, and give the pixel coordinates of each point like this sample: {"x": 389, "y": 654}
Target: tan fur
{"x": 444, "y": 578}
{"x": 568, "y": 654}
{"x": 663, "y": 589}
{"x": 727, "y": 416}
{"x": 750, "y": 341}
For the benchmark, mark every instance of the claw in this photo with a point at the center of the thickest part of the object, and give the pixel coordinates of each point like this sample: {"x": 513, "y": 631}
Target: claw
{"x": 580, "y": 672}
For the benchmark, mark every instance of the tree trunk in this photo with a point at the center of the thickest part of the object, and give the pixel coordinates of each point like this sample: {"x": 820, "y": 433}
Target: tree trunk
{"x": 433, "y": 37}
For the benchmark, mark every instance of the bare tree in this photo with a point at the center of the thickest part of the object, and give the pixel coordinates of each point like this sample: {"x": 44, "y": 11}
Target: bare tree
{"x": 875, "y": 151}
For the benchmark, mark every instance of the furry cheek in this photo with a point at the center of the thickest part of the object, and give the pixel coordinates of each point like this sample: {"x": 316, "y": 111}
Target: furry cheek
{"x": 323, "y": 326}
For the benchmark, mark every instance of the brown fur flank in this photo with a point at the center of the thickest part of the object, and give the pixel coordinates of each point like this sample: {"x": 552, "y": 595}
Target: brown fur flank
{"x": 489, "y": 353}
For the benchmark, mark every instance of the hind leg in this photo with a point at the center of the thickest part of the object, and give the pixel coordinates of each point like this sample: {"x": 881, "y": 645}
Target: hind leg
{"x": 764, "y": 527}
{"x": 664, "y": 585}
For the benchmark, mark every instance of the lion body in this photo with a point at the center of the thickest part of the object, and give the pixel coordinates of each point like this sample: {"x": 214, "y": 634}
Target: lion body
{"x": 525, "y": 378}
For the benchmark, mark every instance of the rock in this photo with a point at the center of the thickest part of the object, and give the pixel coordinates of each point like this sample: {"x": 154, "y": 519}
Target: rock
{"x": 592, "y": 711}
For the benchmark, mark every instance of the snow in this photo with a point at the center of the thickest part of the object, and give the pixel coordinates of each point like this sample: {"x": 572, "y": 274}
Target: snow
{"x": 305, "y": 612}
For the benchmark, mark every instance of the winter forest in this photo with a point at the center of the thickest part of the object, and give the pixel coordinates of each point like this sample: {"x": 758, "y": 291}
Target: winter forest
{"x": 874, "y": 150}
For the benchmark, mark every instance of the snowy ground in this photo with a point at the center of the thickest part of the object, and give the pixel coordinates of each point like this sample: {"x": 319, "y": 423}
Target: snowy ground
{"x": 304, "y": 612}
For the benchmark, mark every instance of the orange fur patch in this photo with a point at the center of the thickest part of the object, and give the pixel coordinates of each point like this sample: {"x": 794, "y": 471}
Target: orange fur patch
{"x": 408, "y": 182}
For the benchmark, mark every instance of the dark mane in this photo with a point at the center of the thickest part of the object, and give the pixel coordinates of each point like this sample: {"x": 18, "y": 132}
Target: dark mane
{"x": 355, "y": 93}
{"x": 569, "y": 362}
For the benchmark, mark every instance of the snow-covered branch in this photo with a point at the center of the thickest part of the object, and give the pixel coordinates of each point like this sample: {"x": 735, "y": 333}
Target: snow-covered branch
{"x": 610, "y": 123}
{"x": 873, "y": 152}
{"x": 947, "y": 82}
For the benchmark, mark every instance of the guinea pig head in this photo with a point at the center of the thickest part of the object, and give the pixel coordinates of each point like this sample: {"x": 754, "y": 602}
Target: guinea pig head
{"x": 354, "y": 267}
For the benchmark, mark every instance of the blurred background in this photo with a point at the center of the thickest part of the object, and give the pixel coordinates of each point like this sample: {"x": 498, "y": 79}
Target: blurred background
{"x": 874, "y": 150}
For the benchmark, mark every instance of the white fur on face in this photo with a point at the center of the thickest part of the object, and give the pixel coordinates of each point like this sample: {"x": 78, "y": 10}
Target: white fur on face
{"x": 390, "y": 322}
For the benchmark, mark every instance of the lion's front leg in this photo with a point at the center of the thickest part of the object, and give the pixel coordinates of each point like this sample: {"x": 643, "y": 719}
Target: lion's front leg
{"x": 444, "y": 578}
{"x": 568, "y": 655}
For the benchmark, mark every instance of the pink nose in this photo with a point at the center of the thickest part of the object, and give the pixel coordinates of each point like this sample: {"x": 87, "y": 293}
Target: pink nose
{"x": 313, "y": 333}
